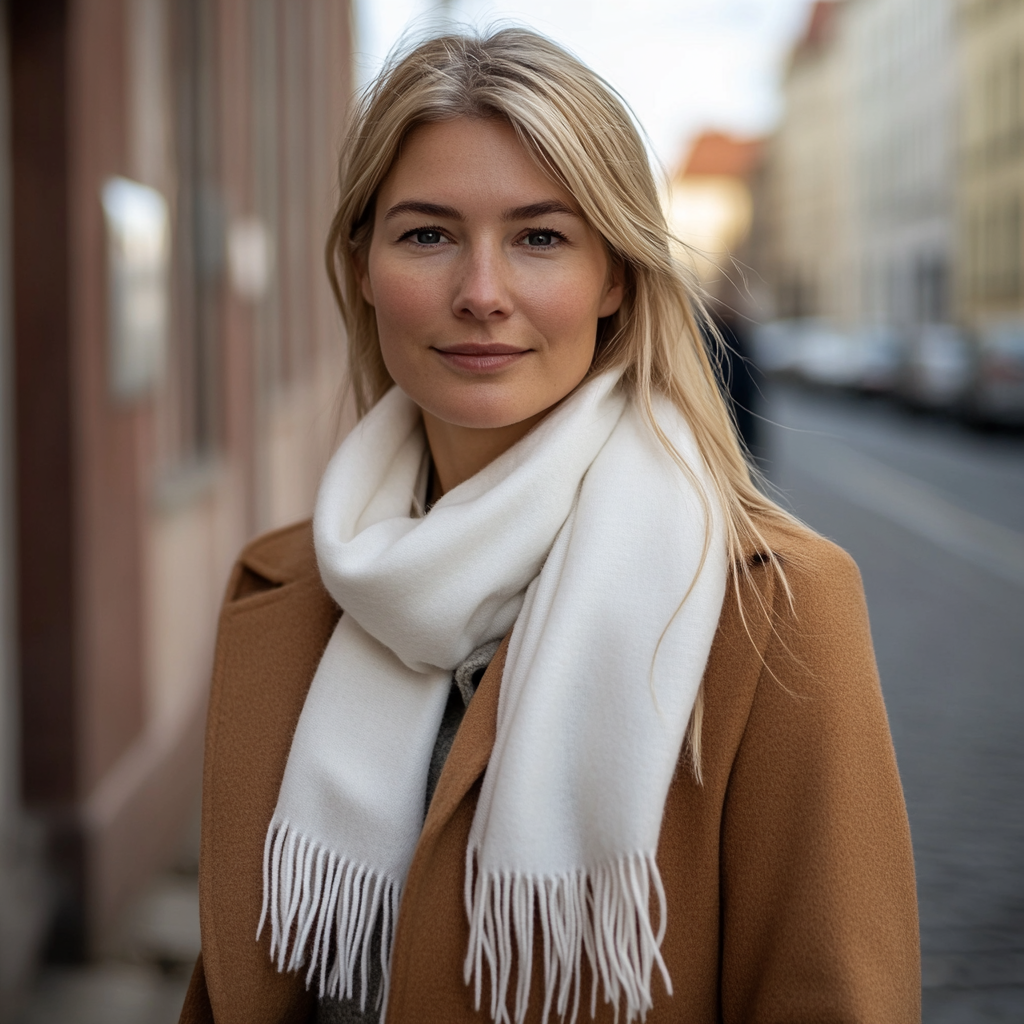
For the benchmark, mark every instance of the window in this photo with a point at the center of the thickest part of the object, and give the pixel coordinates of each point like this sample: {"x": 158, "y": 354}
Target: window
{"x": 283, "y": 105}
{"x": 1013, "y": 242}
{"x": 198, "y": 233}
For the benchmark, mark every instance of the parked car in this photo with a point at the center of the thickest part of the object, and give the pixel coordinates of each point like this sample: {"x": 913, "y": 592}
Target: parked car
{"x": 939, "y": 368}
{"x": 827, "y": 355}
{"x": 777, "y": 346}
{"x": 881, "y": 351}
{"x": 997, "y": 391}
{"x": 816, "y": 351}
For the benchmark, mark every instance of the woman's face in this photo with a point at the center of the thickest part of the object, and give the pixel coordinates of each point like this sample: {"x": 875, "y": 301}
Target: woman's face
{"x": 486, "y": 281}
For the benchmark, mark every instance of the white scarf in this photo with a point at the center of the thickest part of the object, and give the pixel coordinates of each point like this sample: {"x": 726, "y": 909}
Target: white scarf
{"x": 586, "y": 537}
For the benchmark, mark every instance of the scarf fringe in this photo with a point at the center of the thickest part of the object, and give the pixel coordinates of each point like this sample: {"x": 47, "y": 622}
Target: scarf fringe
{"x": 314, "y": 898}
{"x": 602, "y": 912}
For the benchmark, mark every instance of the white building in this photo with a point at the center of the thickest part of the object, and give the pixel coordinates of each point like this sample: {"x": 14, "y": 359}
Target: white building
{"x": 904, "y": 111}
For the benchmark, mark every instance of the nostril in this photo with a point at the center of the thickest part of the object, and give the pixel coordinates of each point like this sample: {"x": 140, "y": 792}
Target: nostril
{"x": 494, "y": 309}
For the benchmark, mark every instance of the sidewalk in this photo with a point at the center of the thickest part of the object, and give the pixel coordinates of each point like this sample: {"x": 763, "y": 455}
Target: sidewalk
{"x": 142, "y": 979}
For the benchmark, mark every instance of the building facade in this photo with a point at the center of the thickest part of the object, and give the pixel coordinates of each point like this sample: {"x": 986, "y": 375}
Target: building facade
{"x": 892, "y": 192}
{"x": 22, "y": 887}
{"x": 806, "y": 192}
{"x": 904, "y": 96}
{"x": 172, "y": 359}
{"x": 990, "y": 192}
{"x": 855, "y": 209}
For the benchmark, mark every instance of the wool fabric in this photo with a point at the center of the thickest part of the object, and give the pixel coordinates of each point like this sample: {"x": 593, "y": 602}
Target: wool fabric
{"x": 609, "y": 560}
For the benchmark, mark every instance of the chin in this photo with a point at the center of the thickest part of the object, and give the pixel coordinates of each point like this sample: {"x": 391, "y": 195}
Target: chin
{"x": 481, "y": 405}
{"x": 482, "y": 415}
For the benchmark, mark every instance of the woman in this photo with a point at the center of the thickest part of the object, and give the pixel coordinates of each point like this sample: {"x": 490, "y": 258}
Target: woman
{"x": 551, "y": 713}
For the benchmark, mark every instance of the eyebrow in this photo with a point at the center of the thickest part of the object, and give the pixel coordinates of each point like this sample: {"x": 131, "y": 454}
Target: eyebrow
{"x": 541, "y": 209}
{"x": 427, "y": 209}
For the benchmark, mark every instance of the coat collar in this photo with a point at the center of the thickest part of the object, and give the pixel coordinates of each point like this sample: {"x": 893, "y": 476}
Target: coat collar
{"x": 282, "y": 556}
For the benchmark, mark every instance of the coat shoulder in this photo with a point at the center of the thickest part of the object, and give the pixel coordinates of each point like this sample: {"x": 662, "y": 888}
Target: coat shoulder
{"x": 801, "y": 620}
{"x": 813, "y": 566}
{"x": 819, "y": 623}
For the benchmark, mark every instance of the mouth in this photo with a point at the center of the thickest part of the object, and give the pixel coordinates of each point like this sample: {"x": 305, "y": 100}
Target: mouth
{"x": 481, "y": 358}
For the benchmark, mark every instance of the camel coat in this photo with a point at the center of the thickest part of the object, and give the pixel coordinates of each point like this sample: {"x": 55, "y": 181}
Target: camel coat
{"x": 789, "y": 871}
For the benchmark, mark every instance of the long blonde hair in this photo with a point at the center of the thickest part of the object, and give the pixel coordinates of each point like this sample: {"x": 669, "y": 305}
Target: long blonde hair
{"x": 581, "y": 133}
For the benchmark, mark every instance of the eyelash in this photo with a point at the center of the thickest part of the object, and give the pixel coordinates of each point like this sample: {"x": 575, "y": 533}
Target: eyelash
{"x": 409, "y": 236}
{"x": 544, "y": 231}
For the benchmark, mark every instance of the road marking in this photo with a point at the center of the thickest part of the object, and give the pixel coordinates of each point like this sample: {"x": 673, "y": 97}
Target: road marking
{"x": 911, "y": 503}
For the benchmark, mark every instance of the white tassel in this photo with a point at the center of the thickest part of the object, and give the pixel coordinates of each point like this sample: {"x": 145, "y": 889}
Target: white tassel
{"x": 603, "y": 913}
{"x": 316, "y": 902}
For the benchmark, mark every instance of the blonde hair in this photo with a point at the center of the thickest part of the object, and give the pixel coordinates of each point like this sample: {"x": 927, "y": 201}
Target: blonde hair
{"x": 581, "y": 133}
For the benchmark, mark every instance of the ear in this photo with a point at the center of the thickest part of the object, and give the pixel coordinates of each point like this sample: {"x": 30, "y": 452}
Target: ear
{"x": 363, "y": 273}
{"x": 614, "y": 289}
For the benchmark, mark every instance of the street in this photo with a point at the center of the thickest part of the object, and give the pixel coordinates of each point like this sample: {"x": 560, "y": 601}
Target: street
{"x": 933, "y": 513}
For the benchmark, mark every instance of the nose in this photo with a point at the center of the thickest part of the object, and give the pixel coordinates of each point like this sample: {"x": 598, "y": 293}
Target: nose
{"x": 483, "y": 291}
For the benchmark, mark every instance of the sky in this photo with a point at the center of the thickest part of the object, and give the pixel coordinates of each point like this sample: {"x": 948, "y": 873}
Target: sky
{"x": 682, "y": 65}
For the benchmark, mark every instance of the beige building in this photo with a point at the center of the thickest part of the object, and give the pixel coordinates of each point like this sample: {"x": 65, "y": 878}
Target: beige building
{"x": 904, "y": 90}
{"x": 990, "y": 189}
{"x": 710, "y": 206}
{"x": 806, "y": 196}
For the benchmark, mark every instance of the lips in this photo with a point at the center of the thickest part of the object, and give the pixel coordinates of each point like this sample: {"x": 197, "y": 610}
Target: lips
{"x": 481, "y": 358}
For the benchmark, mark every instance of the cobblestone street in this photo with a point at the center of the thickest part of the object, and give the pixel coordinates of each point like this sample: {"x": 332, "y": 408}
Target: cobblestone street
{"x": 934, "y": 515}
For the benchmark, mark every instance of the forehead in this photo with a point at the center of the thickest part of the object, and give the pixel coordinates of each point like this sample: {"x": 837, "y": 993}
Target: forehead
{"x": 468, "y": 163}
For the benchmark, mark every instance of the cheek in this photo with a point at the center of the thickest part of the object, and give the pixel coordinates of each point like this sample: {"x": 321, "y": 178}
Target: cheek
{"x": 564, "y": 310}
{"x": 401, "y": 301}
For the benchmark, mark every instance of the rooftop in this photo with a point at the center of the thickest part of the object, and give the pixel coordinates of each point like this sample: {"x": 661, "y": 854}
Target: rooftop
{"x": 718, "y": 154}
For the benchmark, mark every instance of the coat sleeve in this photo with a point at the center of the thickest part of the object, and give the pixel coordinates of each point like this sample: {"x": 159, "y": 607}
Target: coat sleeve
{"x": 197, "y": 1009}
{"x": 819, "y": 914}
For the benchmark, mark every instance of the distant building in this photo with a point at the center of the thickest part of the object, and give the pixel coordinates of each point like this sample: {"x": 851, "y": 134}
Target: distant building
{"x": 806, "y": 240}
{"x": 710, "y": 209}
{"x": 172, "y": 353}
{"x": 990, "y": 183}
{"x": 904, "y": 117}
{"x": 710, "y": 205}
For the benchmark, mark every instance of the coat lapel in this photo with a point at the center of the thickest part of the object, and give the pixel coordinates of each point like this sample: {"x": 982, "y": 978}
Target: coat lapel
{"x": 275, "y": 623}
{"x": 471, "y": 750}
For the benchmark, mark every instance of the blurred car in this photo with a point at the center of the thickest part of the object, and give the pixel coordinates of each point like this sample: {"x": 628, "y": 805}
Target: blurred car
{"x": 997, "y": 391}
{"x": 818, "y": 352}
{"x": 776, "y": 346}
{"x": 828, "y": 356}
{"x": 938, "y": 370}
{"x": 881, "y": 351}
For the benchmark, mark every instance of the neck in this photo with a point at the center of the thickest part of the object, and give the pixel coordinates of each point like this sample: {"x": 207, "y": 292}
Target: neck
{"x": 461, "y": 452}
